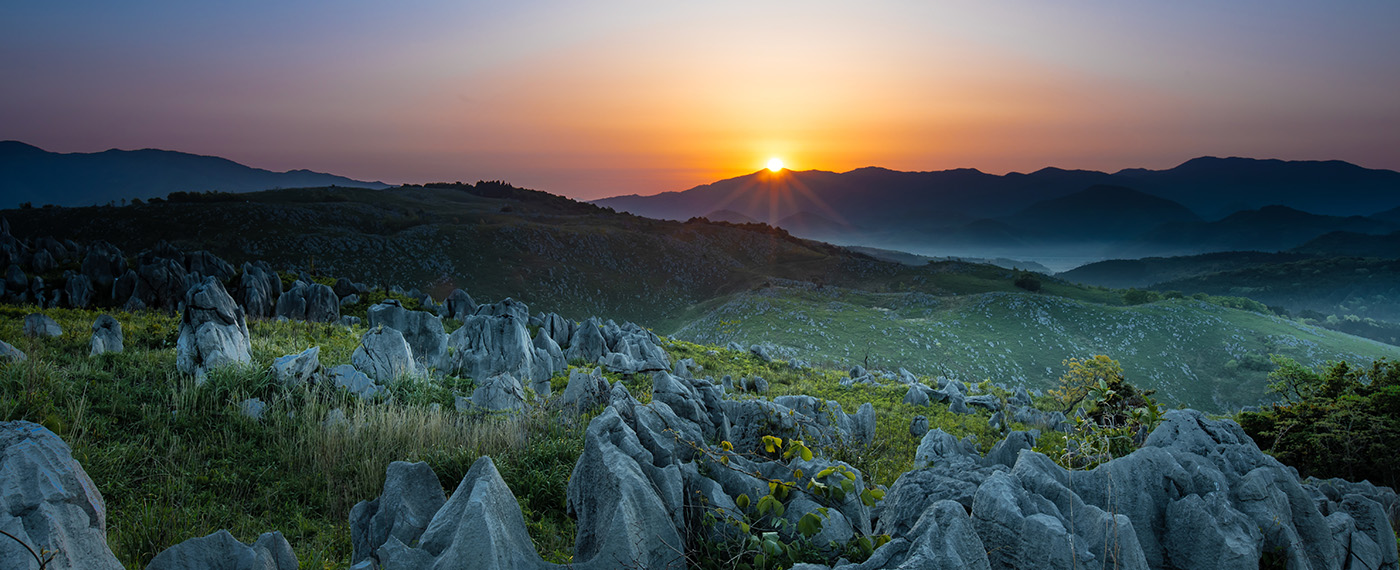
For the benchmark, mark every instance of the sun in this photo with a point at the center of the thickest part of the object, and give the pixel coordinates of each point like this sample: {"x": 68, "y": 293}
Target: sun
{"x": 775, "y": 164}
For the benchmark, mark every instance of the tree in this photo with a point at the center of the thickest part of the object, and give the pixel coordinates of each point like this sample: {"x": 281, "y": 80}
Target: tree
{"x": 1139, "y": 296}
{"x": 1027, "y": 280}
{"x": 1086, "y": 376}
{"x": 1339, "y": 420}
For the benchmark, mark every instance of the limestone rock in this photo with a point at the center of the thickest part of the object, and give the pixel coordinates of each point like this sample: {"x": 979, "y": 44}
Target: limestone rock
{"x": 221, "y": 551}
{"x": 384, "y": 356}
{"x": 459, "y": 305}
{"x": 47, "y": 501}
{"x": 103, "y": 265}
{"x": 411, "y": 497}
{"x": 39, "y": 325}
{"x": 501, "y": 392}
{"x": 78, "y": 291}
{"x": 586, "y": 389}
{"x": 106, "y": 335}
{"x": 9, "y": 353}
{"x": 919, "y": 426}
{"x": 258, "y": 290}
{"x": 297, "y": 369}
{"x": 213, "y": 331}
{"x": 480, "y": 526}
{"x": 422, "y": 330}
{"x": 358, "y": 383}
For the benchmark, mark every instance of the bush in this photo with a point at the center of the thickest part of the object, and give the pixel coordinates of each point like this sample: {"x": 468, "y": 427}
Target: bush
{"x": 1028, "y": 281}
{"x": 1337, "y": 421}
{"x": 1139, "y": 297}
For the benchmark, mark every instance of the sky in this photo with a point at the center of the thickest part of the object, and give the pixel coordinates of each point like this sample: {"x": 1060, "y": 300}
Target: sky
{"x": 609, "y": 97}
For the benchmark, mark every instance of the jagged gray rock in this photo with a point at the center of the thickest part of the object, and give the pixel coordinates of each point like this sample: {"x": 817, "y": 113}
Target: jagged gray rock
{"x": 208, "y": 265}
{"x": 509, "y": 306}
{"x": 252, "y": 408}
{"x": 358, "y": 383}
{"x": 48, "y": 502}
{"x": 586, "y": 389}
{"x": 221, "y": 551}
{"x": 39, "y": 325}
{"x": 943, "y": 538}
{"x": 480, "y": 527}
{"x": 459, "y": 305}
{"x": 77, "y": 291}
{"x": 103, "y": 265}
{"x": 587, "y": 342}
{"x": 161, "y": 283}
{"x": 9, "y": 353}
{"x": 312, "y": 302}
{"x": 106, "y": 335}
{"x": 485, "y": 346}
{"x": 919, "y": 426}
{"x": 411, "y": 498}
{"x": 501, "y": 392}
{"x": 384, "y": 356}
{"x": 258, "y": 290}
{"x": 213, "y": 330}
{"x": 297, "y": 369}
{"x": 422, "y": 330}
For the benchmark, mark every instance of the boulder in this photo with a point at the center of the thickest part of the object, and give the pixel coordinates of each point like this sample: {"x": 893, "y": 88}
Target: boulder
{"x": 358, "y": 383}
{"x": 124, "y": 288}
{"x": 344, "y": 288}
{"x": 485, "y": 346}
{"x": 761, "y": 352}
{"x": 78, "y": 291}
{"x": 311, "y": 302}
{"x": 479, "y": 527}
{"x": 252, "y": 408}
{"x": 297, "y": 369}
{"x": 106, "y": 335}
{"x": 919, "y": 426}
{"x": 42, "y": 262}
{"x": 587, "y": 342}
{"x": 258, "y": 290}
{"x": 586, "y": 389}
{"x": 501, "y": 392}
{"x": 161, "y": 283}
{"x": 422, "y": 330}
{"x": 9, "y": 353}
{"x": 15, "y": 279}
{"x": 221, "y": 551}
{"x": 616, "y": 495}
{"x": 917, "y": 395}
{"x": 39, "y": 325}
{"x": 213, "y": 330}
{"x": 103, "y": 264}
{"x": 459, "y": 305}
{"x": 987, "y": 402}
{"x": 384, "y": 356}
{"x": 411, "y": 497}
{"x": 48, "y": 502}
{"x": 944, "y": 538}
{"x": 208, "y": 265}
{"x": 509, "y": 306}
{"x": 558, "y": 328}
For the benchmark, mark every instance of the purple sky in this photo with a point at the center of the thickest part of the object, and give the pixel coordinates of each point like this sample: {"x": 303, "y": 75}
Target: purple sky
{"x": 591, "y": 99}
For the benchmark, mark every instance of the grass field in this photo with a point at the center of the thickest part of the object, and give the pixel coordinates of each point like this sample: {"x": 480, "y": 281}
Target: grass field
{"x": 1192, "y": 352}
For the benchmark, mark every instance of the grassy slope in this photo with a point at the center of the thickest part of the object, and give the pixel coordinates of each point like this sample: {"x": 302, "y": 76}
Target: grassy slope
{"x": 176, "y": 461}
{"x": 1182, "y": 348}
{"x": 494, "y": 241}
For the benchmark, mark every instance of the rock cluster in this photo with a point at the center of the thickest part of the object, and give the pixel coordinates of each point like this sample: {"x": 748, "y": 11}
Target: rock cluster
{"x": 106, "y": 335}
{"x": 213, "y": 330}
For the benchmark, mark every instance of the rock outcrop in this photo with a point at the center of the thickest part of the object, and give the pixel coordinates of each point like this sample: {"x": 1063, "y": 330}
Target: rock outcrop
{"x": 258, "y": 290}
{"x": 411, "y": 497}
{"x": 106, "y": 335}
{"x": 221, "y": 551}
{"x": 213, "y": 330}
{"x": 422, "y": 330}
{"x": 384, "y": 356}
{"x": 39, "y": 325}
{"x": 489, "y": 345}
{"x": 311, "y": 302}
{"x": 297, "y": 369}
{"x": 47, "y": 502}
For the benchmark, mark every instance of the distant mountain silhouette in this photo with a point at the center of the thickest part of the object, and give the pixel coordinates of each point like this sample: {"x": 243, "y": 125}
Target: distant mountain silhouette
{"x": 729, "y": 216}
{"x": 1271, "y": 228}
{"x": 1124, "y": 273}
{"x": 1353, "y": 244}
{"x": 1392, "y": 215}
{"x": 1100, "y": 212}
{"x": 1215, "y": 187}
{"x": 31, "y": 174}
{"x": 809, "y": 224}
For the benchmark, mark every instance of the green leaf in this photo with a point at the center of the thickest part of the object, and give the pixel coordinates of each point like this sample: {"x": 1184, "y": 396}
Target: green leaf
{"x": 742, "y": 501}
{"x": 806, "y": 454}
{"x": 809, "y": 525}
{"x": 824, "y": 472}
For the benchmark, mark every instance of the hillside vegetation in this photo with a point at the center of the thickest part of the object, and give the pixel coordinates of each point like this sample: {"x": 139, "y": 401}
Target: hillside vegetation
{"x": 1193, "y": 352}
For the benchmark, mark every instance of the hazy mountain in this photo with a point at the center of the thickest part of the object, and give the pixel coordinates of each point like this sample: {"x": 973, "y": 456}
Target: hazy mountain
{"x": 1100, "y": 212}
{"x": 729, "y": 216}
{"x": 1148, "y": 271}
{"x": 1271, "y": 228}
{"x": 1392, "y": 215}
{"x": 1353, "y": 244}
{"x": 31, "y": 174}
{"x": 1215, "y": 187}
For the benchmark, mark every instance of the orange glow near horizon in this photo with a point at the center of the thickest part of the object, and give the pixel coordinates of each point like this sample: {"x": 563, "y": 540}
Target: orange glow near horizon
{"x": 775, "y": 164}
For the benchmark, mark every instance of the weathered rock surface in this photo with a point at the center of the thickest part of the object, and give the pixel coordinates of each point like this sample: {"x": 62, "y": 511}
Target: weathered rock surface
{"x": 489, "y": 345}
{"x": 103, "y": 264}
{"x": 221, "y": 551}
{"x": 9, "y": 353}
{"x": 48, "y": 502}
{"x": 458, "y": 305}
{"x": 78, "y": 292}
{"x": 258, "y": 290}
{"x": 213, "y": 330}
{"x": 297, "y": 369}
{"x": 586, "y": 389}
{"x": 384, "y": 356}
{"x": 411, "y": 497}
{"x": 311, "y": 302}
{"x": 422, "y": 330}
{"x": 358, "y": 383}
{"x": 161, "y": 283}
{"x": 501, "y": 392}
{"x": 106, "y": 335}
{"x": 39, "y": 325}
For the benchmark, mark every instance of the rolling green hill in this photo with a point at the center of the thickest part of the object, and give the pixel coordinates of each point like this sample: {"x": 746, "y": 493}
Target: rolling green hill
{"x": 1192, "y": 352}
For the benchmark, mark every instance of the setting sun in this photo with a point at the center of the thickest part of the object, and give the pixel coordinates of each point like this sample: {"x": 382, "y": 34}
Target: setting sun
{"x": 775, "y": 164}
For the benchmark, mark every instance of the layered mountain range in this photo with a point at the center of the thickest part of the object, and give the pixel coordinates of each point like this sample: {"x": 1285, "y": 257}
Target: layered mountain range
{"x": 1058, "y": 217}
